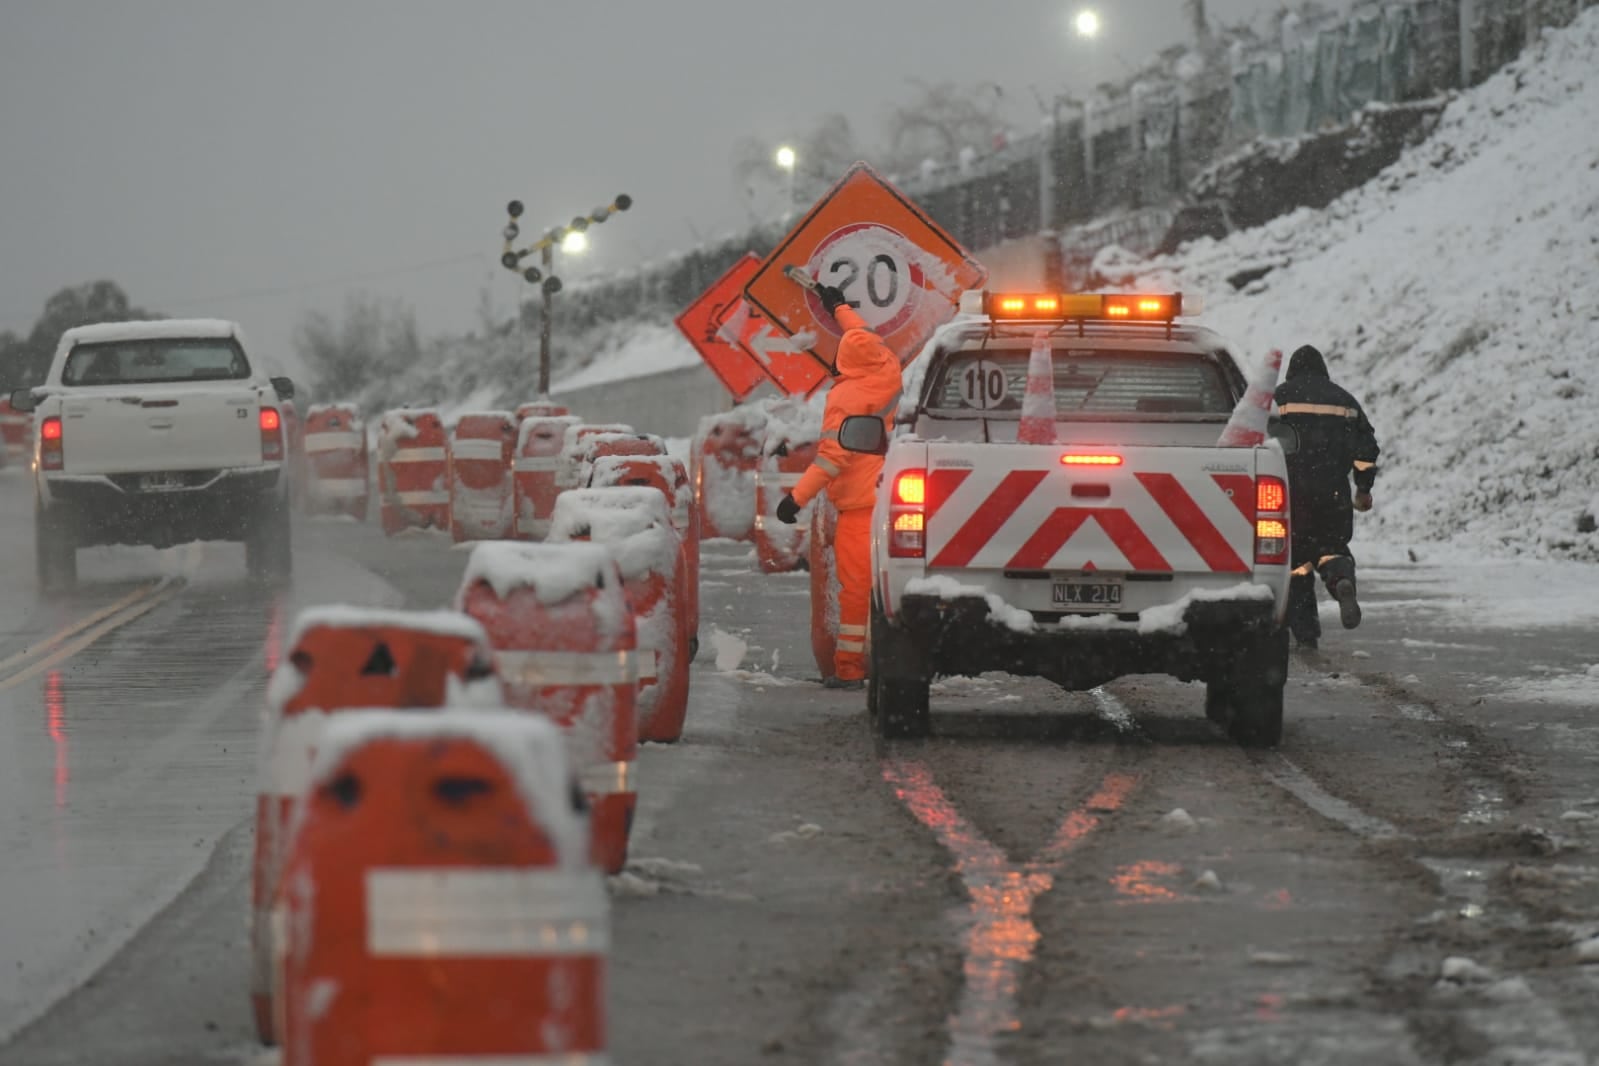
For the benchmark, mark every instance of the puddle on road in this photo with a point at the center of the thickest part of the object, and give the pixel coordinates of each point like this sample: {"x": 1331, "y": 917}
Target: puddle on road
{"x": 1000, "y": 935}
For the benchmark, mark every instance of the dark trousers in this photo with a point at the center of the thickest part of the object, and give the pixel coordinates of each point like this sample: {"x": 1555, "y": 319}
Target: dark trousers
{"x": 1319, "y": 547}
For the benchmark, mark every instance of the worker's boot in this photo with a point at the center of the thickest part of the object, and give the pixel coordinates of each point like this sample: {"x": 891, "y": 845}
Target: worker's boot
{"x": 1340, "y": 577}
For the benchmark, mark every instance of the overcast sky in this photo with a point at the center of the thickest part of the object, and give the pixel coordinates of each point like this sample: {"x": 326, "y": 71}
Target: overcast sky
{"x": 253, "y": 160}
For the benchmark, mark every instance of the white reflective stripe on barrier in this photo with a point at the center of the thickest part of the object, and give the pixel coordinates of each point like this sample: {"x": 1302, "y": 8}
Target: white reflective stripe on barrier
{"x": 649, "y": 665}
{"x": 760, "y": 522}
{"x": 287, "y": 770}
{"x": 607, "y": 778}
{"x": 851, "y": 645}
{"x": 537, "y": 464}
{"x": 551, "y": 1058}
{"x": 417, "y": 455}
{"x": 15, "y": 420}
{"x": 423, "y": 497}
{"x": 477, "y": 448}
{"x": 567, "y": 667}
{"x": 334, "y": 440}
{"x": 432, "y": 913}
{"x": 339, "y": 487}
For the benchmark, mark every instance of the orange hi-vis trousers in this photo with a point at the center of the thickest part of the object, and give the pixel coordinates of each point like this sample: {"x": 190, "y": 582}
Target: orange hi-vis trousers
{"x": 852, "y": 558}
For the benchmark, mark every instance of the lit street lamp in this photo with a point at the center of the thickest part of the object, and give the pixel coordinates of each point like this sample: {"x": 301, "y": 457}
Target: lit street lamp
{"x": 786, "y": 159}
{"x": 575, "y": 243}
{"x": 1087, "y": 23}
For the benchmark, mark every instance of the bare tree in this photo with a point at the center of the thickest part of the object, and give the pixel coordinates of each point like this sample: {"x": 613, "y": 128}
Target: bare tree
{"x": 943, "y": 119}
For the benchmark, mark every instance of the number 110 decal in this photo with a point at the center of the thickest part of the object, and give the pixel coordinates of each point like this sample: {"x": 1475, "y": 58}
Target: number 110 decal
{"x": 876, "y": 268}
{"x": 982, "y": 385}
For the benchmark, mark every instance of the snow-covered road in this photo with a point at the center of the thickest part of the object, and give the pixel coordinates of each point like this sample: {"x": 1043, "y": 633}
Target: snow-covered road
{"x": 1096, "y": 877}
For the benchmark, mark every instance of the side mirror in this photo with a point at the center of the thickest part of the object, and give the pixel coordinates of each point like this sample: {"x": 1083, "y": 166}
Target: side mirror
{"x": 863, "y": 433}
{"x": 284, "y": 387}
{"x": 23, "y": 401}
{"x": 1283, "y": 434}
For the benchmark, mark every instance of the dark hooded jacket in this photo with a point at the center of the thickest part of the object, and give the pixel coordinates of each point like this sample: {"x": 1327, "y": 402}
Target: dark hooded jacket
{"x": 1335, "y": 441}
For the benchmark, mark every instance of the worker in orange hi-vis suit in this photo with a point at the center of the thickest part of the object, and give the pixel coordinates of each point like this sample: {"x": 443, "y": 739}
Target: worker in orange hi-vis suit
{"x": 868, "y": 383}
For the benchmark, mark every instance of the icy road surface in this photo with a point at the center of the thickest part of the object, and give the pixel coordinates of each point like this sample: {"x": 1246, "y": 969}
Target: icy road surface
{"x": 1096, "y": 877}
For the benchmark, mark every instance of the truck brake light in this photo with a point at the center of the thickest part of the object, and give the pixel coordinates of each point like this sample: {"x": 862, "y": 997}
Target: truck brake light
{"x": 1271, "y": 520}
{"x": 907, "y": 522}
{"x": 51, "y": 454}
{"x": 271, "y": 434}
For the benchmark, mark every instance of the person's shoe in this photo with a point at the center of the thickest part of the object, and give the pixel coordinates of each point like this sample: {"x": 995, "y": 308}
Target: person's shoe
{"x": 1348, "y": 606}
{"x": 845, "y": 683}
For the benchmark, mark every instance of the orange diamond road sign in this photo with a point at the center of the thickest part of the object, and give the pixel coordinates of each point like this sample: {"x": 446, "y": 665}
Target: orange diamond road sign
{"x": 895, "y": 265}
{"x": 736, "y": 368}
{"x": 796, "y": 371}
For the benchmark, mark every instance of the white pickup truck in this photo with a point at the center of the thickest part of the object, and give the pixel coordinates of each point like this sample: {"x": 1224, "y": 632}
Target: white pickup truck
{"x": 157, "y": 433}
{"x": 1132, "y": 545}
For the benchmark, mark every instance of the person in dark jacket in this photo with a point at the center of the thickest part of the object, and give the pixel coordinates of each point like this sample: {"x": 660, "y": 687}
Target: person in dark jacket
{"x": 1335, "y": 441}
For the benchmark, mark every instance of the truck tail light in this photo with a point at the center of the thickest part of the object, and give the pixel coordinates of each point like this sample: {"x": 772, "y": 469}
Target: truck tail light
{"x": 1271, "y": 520}
{"x": 271, "y": 434}
{"x": 50, "y": 444}
{"x": 907, "y": 521}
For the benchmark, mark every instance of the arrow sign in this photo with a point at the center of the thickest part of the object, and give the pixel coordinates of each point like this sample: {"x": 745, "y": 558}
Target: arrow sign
{"x": 739, "y": 371}
{"x": 784, "y": 359}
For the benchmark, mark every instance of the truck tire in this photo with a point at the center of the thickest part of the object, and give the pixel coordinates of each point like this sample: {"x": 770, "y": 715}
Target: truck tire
{"x": 268, "y": 546}
{"x": 1247, "y": 694}
{"x": 56, "y": 552}
{"x": 899, "y": 706}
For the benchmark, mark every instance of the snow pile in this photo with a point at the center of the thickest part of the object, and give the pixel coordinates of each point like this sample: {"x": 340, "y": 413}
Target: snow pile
{"x": 1456, "y": 295}
{"x": 646, "y": 349}
{"x": 555, "y": 572}
{"x": 947, "y": 588}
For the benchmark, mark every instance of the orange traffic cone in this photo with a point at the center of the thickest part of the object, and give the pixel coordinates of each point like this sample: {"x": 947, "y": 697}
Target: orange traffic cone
{"x": 1247, "y": 427}
{"x": 1038, "y": 405}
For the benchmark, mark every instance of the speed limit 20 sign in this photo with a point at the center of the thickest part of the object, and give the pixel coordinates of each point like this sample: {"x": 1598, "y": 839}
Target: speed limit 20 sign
{"x": 894, "y": 265}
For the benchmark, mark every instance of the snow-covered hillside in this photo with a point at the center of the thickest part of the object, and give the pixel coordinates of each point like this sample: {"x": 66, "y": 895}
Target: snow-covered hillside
{"x": 1458, "y": 296}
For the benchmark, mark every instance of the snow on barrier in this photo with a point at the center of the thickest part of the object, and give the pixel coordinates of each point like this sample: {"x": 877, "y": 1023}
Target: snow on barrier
{"x": 824, "y": 584}
{"x": 336, "y": 460}
{"x": 600, "y": 445}
{"x": 481, "y": 444}
{"x": 412, "y": 471}
{"x": 727, "y": 450}
{"x": 539, "y": 444}
{"x": 569, "y": 473}
{"x": 787, "y": 449}
{"x": 635, "y": 525}
{"x": 541, "y": 409}
{"x": 565, "y": 646}
{"x": 341, "y": 658}
{"x": 668, "y": 476}
{"x": 438, "y": 905}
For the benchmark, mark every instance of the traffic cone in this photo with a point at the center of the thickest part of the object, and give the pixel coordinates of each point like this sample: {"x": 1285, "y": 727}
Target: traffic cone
{"x": 1038, "y": 405}
{"x": 1247, "y": 426}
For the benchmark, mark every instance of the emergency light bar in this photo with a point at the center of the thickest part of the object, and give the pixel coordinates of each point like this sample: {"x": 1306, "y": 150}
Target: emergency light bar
{"x": 1077, "y": 307}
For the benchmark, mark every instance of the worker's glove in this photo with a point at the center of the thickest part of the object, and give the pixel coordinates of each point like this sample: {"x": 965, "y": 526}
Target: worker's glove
{"x": 1362, "y": 501}
{"x": 788, "y": 510}
{"x": 832, "y": 297}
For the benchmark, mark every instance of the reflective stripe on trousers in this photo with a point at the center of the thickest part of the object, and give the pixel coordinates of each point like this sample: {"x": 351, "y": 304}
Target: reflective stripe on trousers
{"x": 852, "y": 558}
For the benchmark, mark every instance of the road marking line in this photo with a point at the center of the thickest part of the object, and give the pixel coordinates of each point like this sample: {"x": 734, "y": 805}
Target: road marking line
{"x": 75, "y": 628}
{"x": 148, "y": 600}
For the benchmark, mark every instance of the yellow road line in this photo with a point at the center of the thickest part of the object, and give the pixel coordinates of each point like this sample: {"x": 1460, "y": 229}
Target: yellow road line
{"x": 135, "y": 605}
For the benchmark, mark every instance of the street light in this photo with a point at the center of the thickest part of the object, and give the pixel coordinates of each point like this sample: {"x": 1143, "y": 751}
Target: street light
{"x": 1087, "y": 23}
{"x": 786, "y": 159}
{"x": 575, "y": 243}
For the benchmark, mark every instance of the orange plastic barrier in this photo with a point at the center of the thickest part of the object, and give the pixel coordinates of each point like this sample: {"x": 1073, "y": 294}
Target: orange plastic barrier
{"x": 539, "y": 444}
{"x": 726, "y": 452}
{"x": 635, "y": 525}
{"x": 342, "y": 658}
{"x": 669, "y": 477}
{"x": 413, "y": 471}
{"x": 294, "y": 439}
{"x": 481, "y": 499}
{"x": 437, "y": 904}
{"x": 16, "y": 433}
{"x": 824, "y": 585}
{"x": 571, "y": 472}
{"x": 541, "y": 409}
{"x": 600, "y": 445}
{"x": 781, "y": 548}
{"x": 566, "y": 646}
{"x": 336, "y": 460}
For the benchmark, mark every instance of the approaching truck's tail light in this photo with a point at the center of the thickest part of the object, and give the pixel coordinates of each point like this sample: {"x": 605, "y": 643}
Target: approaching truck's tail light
{"x": 907, "y": 523}
{"x": 1271, "y": 520}
{"x": 271, "y": 433}
{"x": 50, "y": 444}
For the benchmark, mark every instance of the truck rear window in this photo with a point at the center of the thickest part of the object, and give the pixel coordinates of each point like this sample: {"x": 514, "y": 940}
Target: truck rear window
{"x": 1088, "y": 381}
{"x": 144, "y": 362}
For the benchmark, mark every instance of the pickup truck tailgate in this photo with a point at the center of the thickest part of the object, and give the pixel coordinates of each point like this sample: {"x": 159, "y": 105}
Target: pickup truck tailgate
{"x": 1037, "y": 508}
{"x": 131, "y": 429}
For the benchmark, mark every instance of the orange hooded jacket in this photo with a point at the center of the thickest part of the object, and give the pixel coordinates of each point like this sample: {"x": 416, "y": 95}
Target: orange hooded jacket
{"x": 868, "y": 384}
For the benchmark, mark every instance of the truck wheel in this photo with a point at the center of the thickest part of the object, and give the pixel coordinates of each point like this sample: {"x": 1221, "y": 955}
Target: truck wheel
{"x": 1218, "y": 702}
{"x": 899, "y": 706}
{"x": 268, "y": 548}
{"x": 1257, "y": 693}
{"x": 56, "y": 551}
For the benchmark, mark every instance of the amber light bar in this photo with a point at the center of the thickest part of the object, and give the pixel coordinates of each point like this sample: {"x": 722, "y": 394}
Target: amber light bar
{"x": 1070, "y": 307}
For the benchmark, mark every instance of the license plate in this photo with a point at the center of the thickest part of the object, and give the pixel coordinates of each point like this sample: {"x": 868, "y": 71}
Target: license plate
{"x": 159, "y": 482}
{"x": 1088, "y": 594}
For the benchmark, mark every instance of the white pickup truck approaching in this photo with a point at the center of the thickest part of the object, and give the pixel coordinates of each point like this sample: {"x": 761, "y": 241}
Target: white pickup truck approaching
{"x": 157, "y": 433}
{"x": 1132, "y": 545}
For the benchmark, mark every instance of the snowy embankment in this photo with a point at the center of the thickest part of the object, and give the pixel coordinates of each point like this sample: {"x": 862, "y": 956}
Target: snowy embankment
{"x": 1458, "y": 296}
